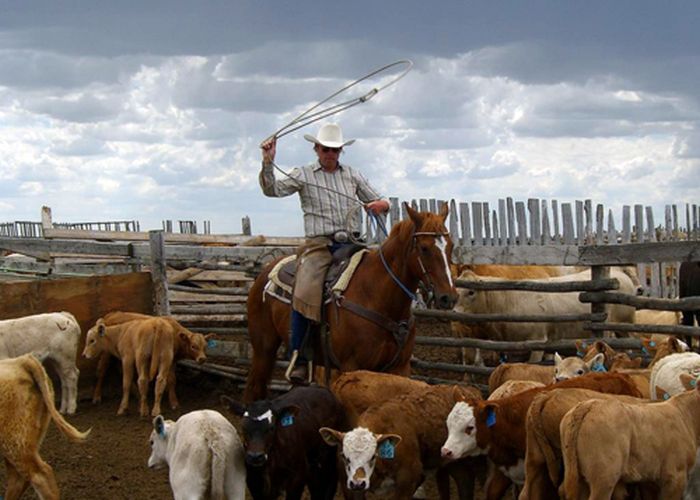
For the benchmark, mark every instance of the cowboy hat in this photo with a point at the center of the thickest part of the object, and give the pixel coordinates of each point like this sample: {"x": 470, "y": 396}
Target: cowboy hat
{"x": 329, "y": 135}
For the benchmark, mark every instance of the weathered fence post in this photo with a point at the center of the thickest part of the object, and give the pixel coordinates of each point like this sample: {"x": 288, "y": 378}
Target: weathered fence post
{"x": 245, "y": 226}
{"x": 599, "y": 273}
{"x": 161, "y": 305}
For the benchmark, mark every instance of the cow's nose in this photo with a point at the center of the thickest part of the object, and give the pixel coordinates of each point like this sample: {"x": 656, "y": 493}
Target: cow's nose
{"x": 255, "y": 459}
{"x": 446, "y": 453}
{"x": 446, "y": 301}
{"x": 358, "y": 485}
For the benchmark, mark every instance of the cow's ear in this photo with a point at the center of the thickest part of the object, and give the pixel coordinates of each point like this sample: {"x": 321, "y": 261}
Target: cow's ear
{"x": 101, "y": 329}
{"x": 458, "y": 395}
{"x": 688, "y": 381}
{"x": 661, "y": 394}
{"x": 183, "y": 335}
{"x": 386, "y": 445}
{"x": 597, "y": 363}
{"x": 233, "y": 406}
{"x": 159, "y": 425}
{"x": 331, "y": 436}
{"x": 490, "y": 409}
{"x": 287, "y": 415}
{"x": 557, "y": 359}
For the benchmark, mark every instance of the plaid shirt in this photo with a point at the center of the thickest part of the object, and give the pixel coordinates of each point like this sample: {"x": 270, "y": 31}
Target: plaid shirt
{"x": 325, "y": 209}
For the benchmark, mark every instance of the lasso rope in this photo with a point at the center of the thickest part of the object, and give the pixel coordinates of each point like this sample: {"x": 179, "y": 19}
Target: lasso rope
{"x": 307, "y": 117}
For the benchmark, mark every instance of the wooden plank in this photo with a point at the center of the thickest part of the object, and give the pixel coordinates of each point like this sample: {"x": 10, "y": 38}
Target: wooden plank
{"x": 521, "y": 222}
{"x": 488, "y": 240}
{"x": 28, "y": 246}
{"x": 477, "y": 218}
{"x": 633, "y": 253}
{"x": 218, "y": 318}
{"x": 568, "y": 224}
{"x": 394, "y": 211}
{"x": 651, "y": 227}
{"x": 177, "y": 297}
{"x": 237, "y": 254}
{"x": 212, "y": 291}
{"x": 537, "y": 286}
{"x": 612, "y": 232}
{"x": 555, "y": 221}
{"x": 209, "y": 309}
{"x": 580, "y": 229}
{"x": 503, "y": 233}
{"x": 546, "y": 255}
{"x": 668, "y": 223}
{"x": 465, "y": 223}
{"x": 230, "y": 239}
{"x": 687, "y": 303}
{"x": 533, "y": 208}
{"x": 161, "y": 306}
{"x": 454, "y": 223}
{"x": 546, "y": 231}
{"x": 588, "y": 213}
{"x": 626, "y": 225}
{"x": 494, "y": 224}
{"x": 221, "y": 275}
{"x": 423, "y": 204}
{"x": 183, "y": 275}
{"x": 599, "y": 230}
{"x": 511, "y": 221}
{"x": 506, "y": 318}
{"x": 639, "y": 223}
{"x": 677, "y": 330}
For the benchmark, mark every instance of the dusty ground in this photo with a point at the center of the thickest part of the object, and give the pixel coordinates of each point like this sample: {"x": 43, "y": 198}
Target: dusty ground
{"x": 111, "y": 464}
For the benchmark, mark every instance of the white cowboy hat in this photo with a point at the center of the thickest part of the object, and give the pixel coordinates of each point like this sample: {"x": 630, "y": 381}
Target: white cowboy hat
{"x": 329, "y": 135}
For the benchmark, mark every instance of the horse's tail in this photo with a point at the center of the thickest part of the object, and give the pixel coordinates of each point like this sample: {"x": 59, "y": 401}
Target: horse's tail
{"x": 570, "y": 428}
{"x": 41, "y": 379}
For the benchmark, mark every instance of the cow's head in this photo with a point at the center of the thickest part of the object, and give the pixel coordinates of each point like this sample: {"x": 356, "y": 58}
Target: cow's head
{"x": 461, "y": 433}
{"x": 159, "y": 442}
{"x": 261, "y": 420}
{"x": 359, "y": 450}
{"x": 573, "y": 366}
{"x": 194, "y": 345}
{"x": 93, "y": 339}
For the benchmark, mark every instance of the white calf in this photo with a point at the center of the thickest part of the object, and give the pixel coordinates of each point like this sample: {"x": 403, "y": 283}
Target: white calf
{"x": 53, "y": 337}
{"x": 204, "y": 453}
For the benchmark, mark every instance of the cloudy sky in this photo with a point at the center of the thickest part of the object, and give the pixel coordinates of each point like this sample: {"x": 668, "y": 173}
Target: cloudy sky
{"x": 153, "y": 110}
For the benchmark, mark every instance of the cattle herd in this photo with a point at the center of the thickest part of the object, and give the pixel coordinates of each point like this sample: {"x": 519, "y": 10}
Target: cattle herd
{"x": 598, "y": 425}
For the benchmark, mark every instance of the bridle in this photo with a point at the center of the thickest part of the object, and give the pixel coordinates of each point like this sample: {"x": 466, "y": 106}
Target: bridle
{"x": 425, "y": 283}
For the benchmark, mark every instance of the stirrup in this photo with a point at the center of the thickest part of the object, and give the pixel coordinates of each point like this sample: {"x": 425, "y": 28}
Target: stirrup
{"x": 292, "y": 365}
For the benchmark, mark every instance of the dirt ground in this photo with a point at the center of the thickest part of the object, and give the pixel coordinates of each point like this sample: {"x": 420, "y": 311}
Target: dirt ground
{"x": 111, "y": 463}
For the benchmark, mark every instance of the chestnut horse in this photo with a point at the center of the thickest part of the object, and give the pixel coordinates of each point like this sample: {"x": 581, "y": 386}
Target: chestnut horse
{"x": 378, "y": 297}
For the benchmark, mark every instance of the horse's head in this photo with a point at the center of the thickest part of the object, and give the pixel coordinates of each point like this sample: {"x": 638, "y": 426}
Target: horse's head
{"x": 431, "y": 259}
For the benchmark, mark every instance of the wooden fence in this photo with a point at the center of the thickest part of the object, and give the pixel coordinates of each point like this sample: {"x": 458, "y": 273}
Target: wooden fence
{"x": 515, "y": 233}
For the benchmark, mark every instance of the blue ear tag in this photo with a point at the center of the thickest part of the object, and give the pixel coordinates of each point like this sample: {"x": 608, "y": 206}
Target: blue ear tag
{"x": 490, "y": 417}
{"x": 644, "y": 351}
{"x": 652, "y": 343}
{"x": 666, "y": 396}
{"x": 287, "y": 420}
{"x": 693, "y": 383}
{"x": 598, "y": 367}
{"x": 211, "y": 343}
{"x": 387, "y": 450}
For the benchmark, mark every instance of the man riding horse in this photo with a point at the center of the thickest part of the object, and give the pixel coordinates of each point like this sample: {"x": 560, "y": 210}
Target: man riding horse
{"x": 328, "y": 191}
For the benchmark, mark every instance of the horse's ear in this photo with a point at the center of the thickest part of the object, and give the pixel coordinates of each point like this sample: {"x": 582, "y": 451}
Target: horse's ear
{"x": 413, "y": 214}
{"x": 444, "y": 211}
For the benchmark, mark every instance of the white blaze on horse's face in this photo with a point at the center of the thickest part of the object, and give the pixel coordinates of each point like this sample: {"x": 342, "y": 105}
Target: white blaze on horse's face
{"x": 441, "y": 243}
{"x": 359, "y": 455}
{"x": 461, "y": 433}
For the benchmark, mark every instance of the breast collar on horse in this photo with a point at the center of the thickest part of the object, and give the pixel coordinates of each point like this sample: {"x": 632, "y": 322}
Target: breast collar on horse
{"x": 400, "y": 329}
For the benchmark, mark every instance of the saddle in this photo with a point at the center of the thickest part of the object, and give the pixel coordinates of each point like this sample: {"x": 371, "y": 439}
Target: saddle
{"x": 345, "y": 261}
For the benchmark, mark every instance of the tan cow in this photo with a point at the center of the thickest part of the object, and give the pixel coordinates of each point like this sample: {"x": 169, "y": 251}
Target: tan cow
{"x": 607, "y": 444}
{"x": 563, "y": 369}
{"x": 146, "y": 345}
{"x": 188, "y": 345}
{"x": 26, "y": 405}
{"x": 528, "y": 303}
{"x": 358, "y": 390}
{"x": 462, "y": 330}
{"x": 543, "y": 459}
